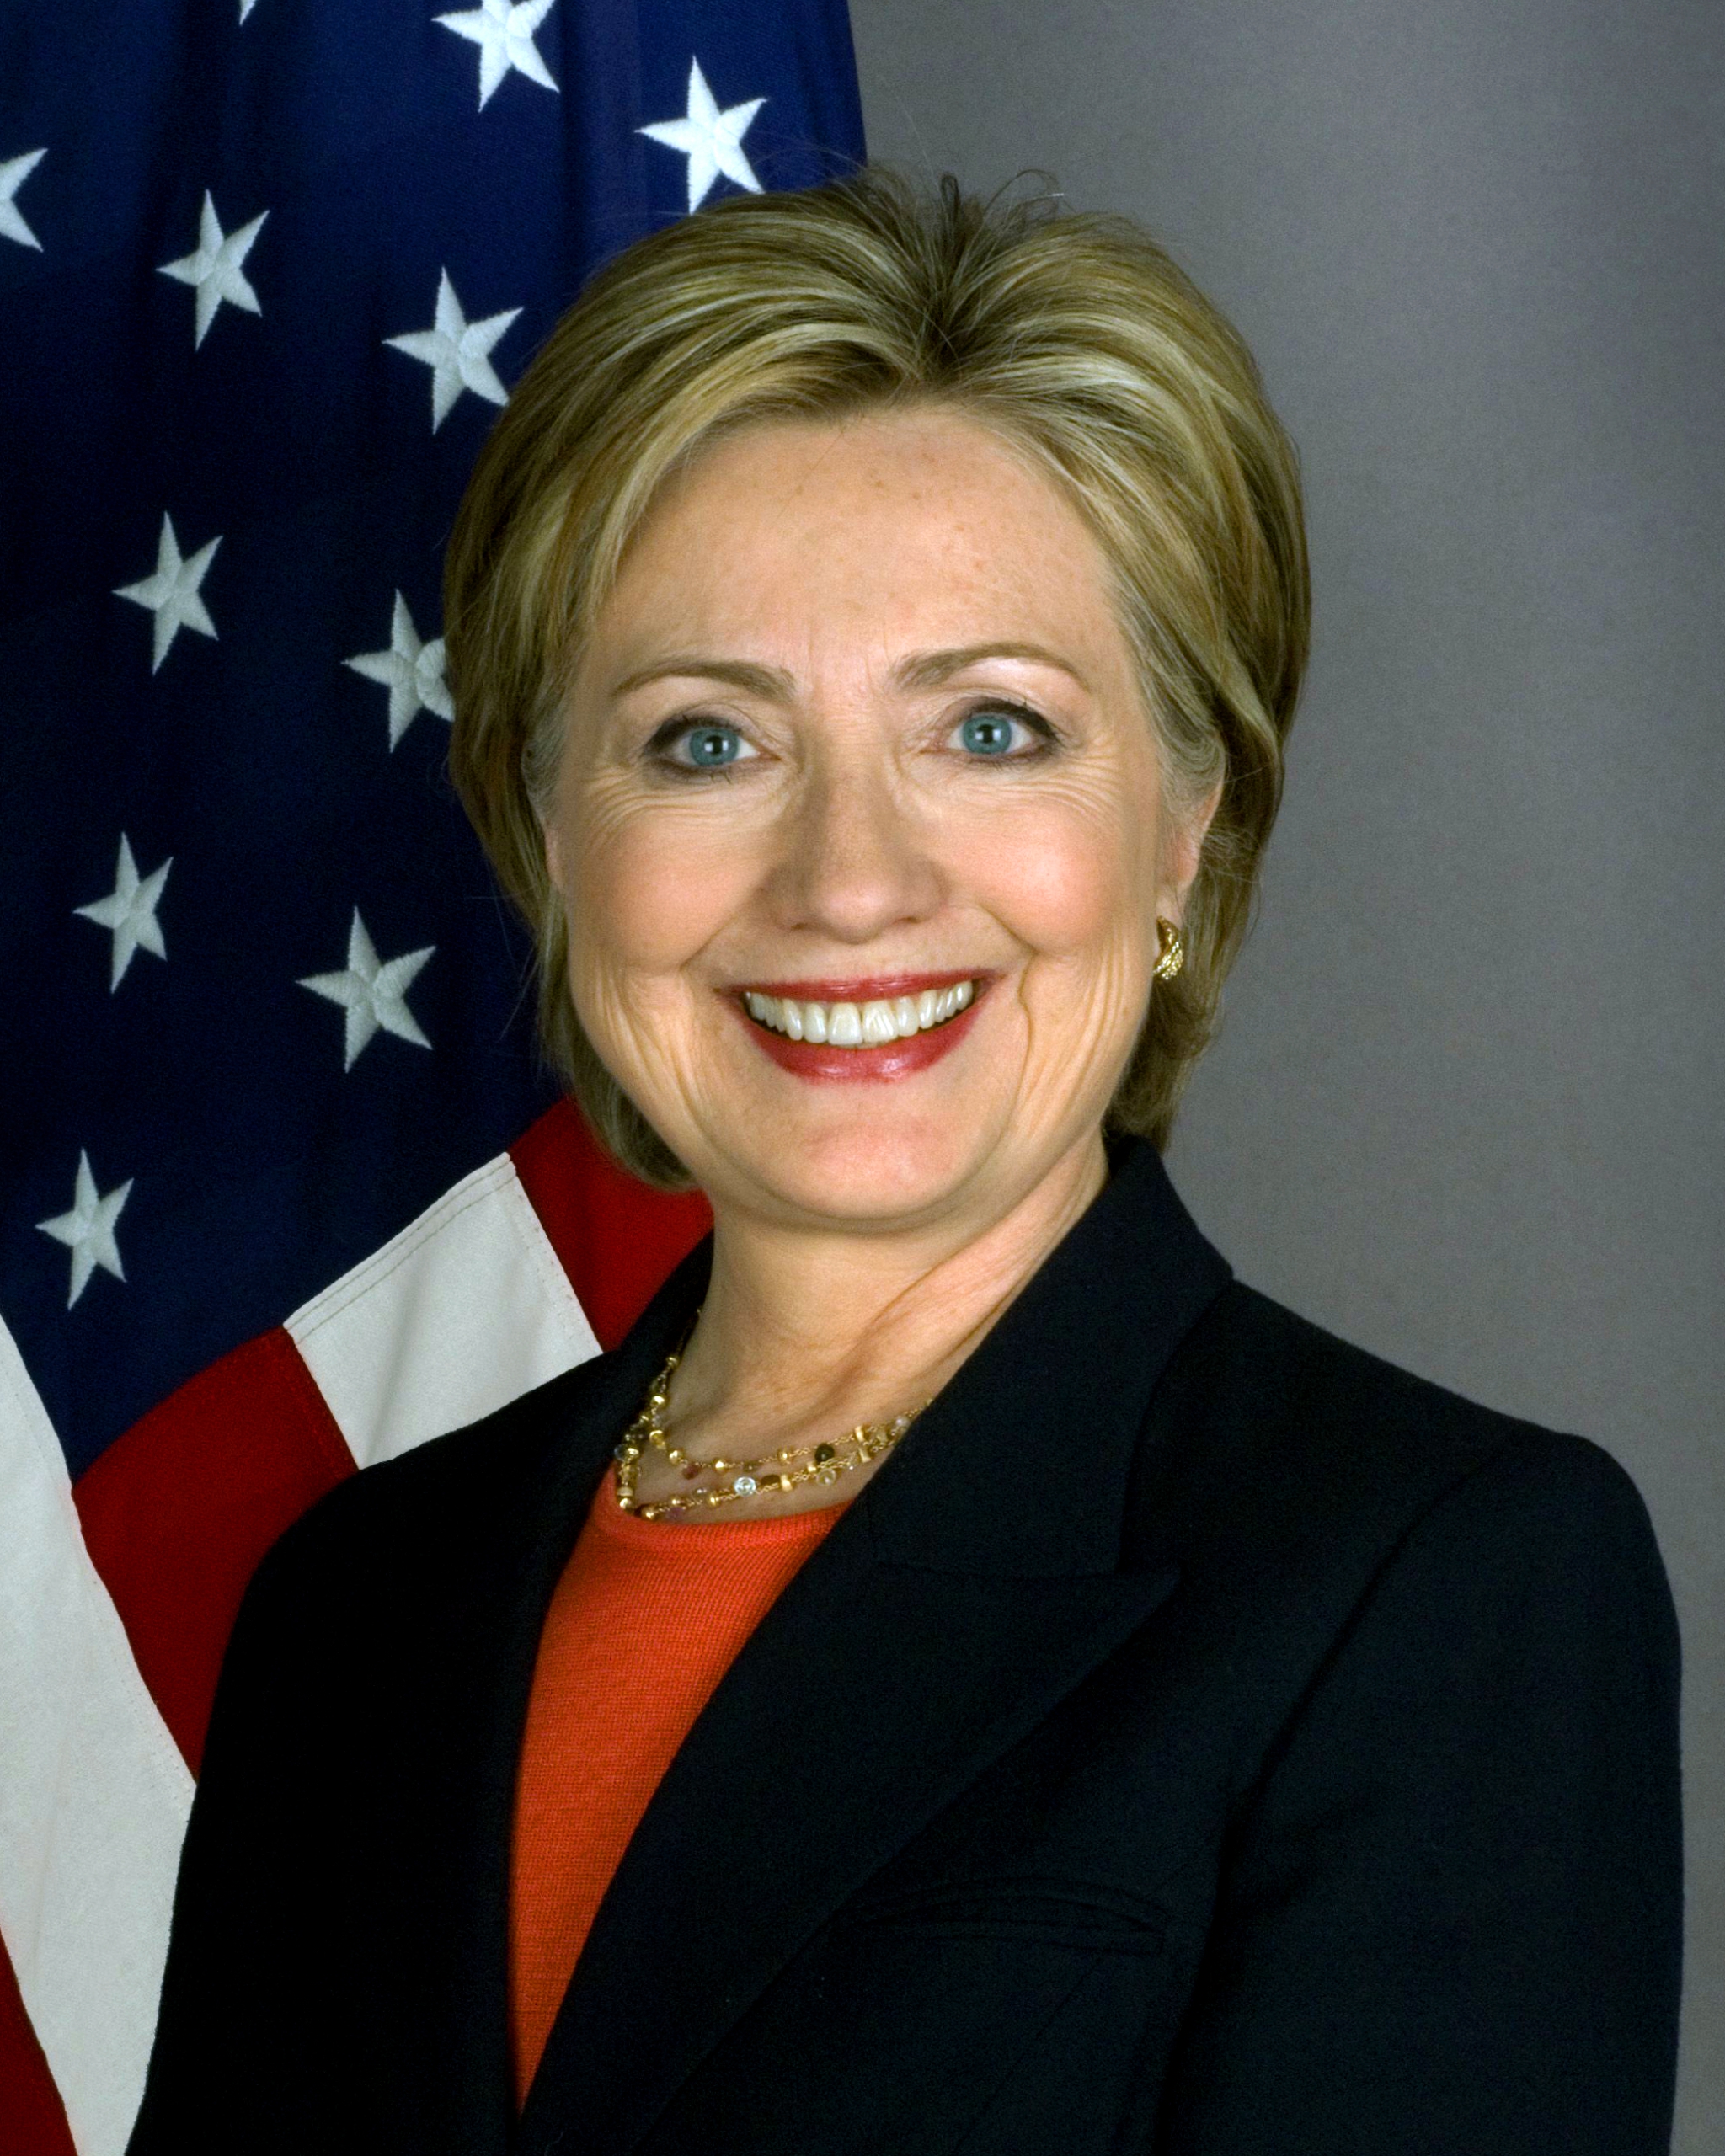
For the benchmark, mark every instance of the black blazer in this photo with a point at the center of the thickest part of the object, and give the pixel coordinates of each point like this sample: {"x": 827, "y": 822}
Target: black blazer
{"x": 1200, "y": 1738}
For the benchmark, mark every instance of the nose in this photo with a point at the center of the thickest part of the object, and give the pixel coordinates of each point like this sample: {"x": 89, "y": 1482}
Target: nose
{"x": 855, "y": 860}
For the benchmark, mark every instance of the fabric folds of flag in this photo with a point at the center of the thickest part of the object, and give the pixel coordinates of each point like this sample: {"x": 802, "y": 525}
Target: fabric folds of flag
{"x": 287, "y": 1190}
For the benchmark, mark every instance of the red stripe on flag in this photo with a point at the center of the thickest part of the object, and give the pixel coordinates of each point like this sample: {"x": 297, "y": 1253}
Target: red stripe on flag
{"x": 616, "y": 1240}
{"x": 33, "y": 2117}
{"x": 178, "y": 1513}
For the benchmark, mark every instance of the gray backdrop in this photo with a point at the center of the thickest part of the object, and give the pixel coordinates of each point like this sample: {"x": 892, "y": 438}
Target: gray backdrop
{"x": 1464, "y": 1110}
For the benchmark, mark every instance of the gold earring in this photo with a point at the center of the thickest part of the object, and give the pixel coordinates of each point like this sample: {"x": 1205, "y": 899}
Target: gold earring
{"x": 1172, "y": 951}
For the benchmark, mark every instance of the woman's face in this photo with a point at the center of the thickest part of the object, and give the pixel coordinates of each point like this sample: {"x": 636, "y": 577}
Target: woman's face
{"x": 856, "y": 753}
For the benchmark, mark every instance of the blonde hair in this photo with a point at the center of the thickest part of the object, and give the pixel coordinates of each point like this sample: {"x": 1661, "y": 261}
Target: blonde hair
{"x": 1074, "y": 337}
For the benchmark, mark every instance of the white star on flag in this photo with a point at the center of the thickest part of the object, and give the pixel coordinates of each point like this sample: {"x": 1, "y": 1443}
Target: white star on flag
{"x": 172, "y": 593}
{"x": 214, "y": 270}
{"x": 503, "y": 33}
{"x": 88, "y": 1230}
{"x": 13, "y": 173}
{"x": 411, "y": 672}
{"x": 710, "y": 139}
{"x": 374, "y": 994}
{"x": 456, "y": 351}
{"x": 246, "y": 7}
{"x": 130, "y": 911}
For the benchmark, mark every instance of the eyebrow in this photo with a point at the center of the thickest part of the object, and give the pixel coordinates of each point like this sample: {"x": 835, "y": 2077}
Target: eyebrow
{"x": 932, "y": 668}
{"x": 929, "y": 669}
{"x": 771, "y": 682}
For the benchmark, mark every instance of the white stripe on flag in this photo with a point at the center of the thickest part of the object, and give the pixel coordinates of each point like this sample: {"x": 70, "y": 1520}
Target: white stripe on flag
{"x": 94, "y": 1795}
{"x": 460, "y": 1313}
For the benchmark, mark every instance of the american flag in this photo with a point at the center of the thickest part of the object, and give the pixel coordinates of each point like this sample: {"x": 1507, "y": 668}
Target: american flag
{"x": 288, "y": 1191}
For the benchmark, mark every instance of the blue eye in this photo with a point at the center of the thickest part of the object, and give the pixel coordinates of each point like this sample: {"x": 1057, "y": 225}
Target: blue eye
{"x": 990, "y": 733}
{"x": 708, "y": 747}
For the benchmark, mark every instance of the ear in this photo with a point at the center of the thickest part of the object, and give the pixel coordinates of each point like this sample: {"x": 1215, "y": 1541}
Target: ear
{"x": 555, "y": 861}
{"x": 1185, "y": 849}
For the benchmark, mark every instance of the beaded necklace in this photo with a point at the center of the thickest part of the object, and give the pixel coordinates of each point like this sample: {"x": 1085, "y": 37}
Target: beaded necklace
{"x": 764, "y": 1476}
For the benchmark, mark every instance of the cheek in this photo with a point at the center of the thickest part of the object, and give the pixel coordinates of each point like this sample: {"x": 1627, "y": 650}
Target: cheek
{"x": 1071, "y": 881}
{"x": 651, "y": 890}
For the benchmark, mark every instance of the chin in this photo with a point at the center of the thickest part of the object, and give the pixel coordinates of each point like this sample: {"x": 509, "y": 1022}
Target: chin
{"x": 864, "y": 1173}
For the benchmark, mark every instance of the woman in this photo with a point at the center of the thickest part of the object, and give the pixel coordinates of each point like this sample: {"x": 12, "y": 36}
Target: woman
{"x": 966, "y": 1672}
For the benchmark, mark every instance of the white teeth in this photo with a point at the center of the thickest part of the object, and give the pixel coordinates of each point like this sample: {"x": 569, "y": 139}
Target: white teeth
{"x": 873, "y": 1024}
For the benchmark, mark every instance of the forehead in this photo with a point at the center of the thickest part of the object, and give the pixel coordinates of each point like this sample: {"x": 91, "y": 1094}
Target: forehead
{"x": 880, "y": 534}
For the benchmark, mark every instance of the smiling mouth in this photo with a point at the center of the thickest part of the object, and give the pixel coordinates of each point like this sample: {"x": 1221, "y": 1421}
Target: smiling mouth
{"x": 876, "y": 1023}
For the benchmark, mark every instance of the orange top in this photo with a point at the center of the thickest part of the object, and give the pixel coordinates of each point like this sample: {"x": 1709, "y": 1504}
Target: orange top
{"x": 598, "y": 1739}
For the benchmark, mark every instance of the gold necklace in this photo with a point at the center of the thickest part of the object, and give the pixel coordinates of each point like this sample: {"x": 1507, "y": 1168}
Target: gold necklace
{"x": 764, "y": 1476}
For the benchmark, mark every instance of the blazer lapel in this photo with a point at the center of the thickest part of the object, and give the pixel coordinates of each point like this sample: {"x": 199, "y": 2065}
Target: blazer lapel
{"x": 975, "y": 1582}
{"x": 443, "y": 1905}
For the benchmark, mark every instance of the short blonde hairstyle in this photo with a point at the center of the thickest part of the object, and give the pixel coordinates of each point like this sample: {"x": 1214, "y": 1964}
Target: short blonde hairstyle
{"x": 1074, "y": 337}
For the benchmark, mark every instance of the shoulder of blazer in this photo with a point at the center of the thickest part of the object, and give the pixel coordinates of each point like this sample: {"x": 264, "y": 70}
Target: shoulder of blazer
{"x": 1274, "y": 1447}
{"x": 1329, "y": 1513}
{"x": 521, "y": 1475}
{"x": 396, "y": 1530}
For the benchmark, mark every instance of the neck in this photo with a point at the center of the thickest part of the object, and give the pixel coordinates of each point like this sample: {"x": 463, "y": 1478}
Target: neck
{"x": 804, "y": 1330}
